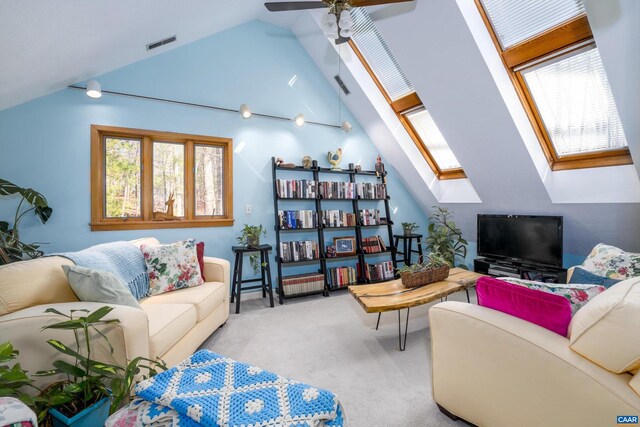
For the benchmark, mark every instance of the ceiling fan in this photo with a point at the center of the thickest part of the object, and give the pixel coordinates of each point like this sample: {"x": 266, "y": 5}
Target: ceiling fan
{"x": 337, "y": 24}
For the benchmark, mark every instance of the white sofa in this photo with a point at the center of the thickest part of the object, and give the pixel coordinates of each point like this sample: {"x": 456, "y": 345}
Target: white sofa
{"x": 493, "y": 369}
{"x": 170, "y": 326}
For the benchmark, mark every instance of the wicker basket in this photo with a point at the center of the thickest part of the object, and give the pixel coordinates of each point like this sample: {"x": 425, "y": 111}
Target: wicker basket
{"x": 414, "y": 280}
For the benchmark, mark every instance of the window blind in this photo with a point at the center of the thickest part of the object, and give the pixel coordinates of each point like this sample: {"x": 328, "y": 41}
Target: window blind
{"x": 433, "y": 139}
{"x": 378, "y": 56}
{"x": 517, "y": 20}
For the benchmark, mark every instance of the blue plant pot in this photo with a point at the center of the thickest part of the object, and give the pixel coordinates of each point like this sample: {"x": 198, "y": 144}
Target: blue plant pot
{"x": 93, "y": 416}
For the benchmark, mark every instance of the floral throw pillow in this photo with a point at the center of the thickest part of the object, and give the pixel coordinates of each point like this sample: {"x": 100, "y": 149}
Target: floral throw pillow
{"x": 577, "y": 294}
{"x": 172, "y": 267}
{"x": 614, "y": 263}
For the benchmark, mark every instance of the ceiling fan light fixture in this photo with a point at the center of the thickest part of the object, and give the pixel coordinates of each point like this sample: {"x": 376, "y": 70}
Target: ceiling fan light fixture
{"x": 299, "y": 120}
{"x": 346, "y": 33}
{"x": 345, "y": 22}
{"x": 245, "y": 112}
{"x": 94, "y": 90}
{"x": 329, "y": 24}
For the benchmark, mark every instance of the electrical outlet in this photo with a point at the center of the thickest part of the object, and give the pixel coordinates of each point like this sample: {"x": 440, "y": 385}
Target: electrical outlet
{"x": 247, "y": 209}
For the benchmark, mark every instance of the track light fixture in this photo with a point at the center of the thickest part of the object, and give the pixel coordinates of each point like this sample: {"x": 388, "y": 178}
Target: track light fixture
{"x": 346, "y": 126}
{"x": 245, "y": 112}
{"x": 94, "y": 90}
{"x": 299, "y": 120}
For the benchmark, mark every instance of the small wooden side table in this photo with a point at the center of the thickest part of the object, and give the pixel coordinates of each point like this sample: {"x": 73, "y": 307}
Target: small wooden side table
{"x": 265, "y": 273}
{"x": 407, "y": 242}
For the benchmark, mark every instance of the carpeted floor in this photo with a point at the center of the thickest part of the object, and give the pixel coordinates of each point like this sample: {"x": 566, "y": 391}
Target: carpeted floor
{"x": 332, "y": 343}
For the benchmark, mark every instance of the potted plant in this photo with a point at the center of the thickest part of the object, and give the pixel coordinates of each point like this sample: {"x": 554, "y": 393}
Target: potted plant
{"x": 11, "y": 247}
{"x": 445, "y": 238}
{"x": 13, "y": 379}
{"x": 433, "y": 269}
{"x": 250, "y": 237}
{"x": 409, "y": 228}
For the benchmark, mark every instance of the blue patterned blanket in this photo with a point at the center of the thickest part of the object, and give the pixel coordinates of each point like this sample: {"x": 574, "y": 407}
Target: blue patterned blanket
{"x": 123, "y": 259}
{"x": 211, "y": 390}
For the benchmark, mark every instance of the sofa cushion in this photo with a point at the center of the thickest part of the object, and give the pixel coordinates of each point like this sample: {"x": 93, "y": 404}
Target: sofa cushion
{"x": 635, "y": 383}
{"x": 168, "y": 323}
{"x": 580, "y": 275}
{"x": 171, "y": 267}
{"x": 205, "y": 298}
{"x": 614, "y": 263}
{"x": 98, "y": 286}
{"x": 607, "y": 329}
{"x": 34, "y": 282}
{"x": 545, "y": 309}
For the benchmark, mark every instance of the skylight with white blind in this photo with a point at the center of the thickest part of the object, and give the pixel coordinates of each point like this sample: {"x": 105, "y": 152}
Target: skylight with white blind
{"x": 432, "y": 138}
{"x": 517, "y": 20}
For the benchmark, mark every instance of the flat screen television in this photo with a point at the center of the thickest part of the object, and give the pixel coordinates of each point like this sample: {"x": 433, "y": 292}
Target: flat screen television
{"x": 525, "y": 239}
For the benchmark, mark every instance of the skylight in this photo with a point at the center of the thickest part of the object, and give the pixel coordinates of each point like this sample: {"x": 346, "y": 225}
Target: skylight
{"x": 432, "y": 138}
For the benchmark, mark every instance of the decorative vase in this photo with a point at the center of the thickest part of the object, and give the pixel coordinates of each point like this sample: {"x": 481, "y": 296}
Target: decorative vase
{"x": 94, "y": 415}
{"x": 408, "y": 232}
{"x": 253, "y": 242}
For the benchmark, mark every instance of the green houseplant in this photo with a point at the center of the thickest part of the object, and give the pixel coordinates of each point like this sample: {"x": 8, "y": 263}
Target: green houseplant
{"x": 409, "y": 228}
{"x": 445, "y": 238}
{"x": 12, "y": 248}
{"x": 250, "y": 237}
{"x": 433, "y": 268}
{"x": 14, "y": 379}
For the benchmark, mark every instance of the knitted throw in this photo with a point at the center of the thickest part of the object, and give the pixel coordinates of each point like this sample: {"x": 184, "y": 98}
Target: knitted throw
{"x": 211, "y": 390}
{"x": 123, "y": 259}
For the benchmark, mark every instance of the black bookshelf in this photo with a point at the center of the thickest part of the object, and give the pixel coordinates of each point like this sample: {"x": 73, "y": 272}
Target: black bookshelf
{"x": 315, "y": 175}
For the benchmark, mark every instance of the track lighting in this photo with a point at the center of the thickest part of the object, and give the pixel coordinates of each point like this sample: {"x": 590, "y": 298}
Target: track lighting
{"x": 94, "y": 90}
{"x": 299, "y": 120}
{"x": 245, "y": 112}
{"x": 346, "y": 126}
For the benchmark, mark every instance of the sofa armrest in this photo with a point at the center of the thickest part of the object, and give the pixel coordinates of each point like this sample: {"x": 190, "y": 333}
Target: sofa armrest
{"x": 129, "y": 338}
{"x": 491, "y": 368}
{"x": 569, "y": 273}
{"x": 217, "y": 270}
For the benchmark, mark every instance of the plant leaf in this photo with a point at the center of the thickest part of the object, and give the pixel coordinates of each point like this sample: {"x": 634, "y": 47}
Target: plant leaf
{"x": 69, "y": 369}
{"x": 99, "y": 314}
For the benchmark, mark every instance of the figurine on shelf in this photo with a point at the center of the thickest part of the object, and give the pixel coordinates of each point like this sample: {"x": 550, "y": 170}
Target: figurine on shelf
{"x": 380, "y": 172}
{"x": 280, "y": 163}
{"x": 335, "y": 159}
{"x": 358, "y": 168}
{"x": 306, "y": 162}
{"x": 168, "y": 215}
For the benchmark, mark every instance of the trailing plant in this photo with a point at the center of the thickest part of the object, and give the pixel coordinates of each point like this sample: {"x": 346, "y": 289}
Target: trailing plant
{"x": 410, "y": 226}
{"x": 432, "y": 262}
{"x": 14, "y": 249}
{"x": 250, "y": 237}
{"x": 445, "y": 238}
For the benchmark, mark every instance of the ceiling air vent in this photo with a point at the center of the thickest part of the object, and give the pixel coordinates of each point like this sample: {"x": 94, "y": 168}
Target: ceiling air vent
{"x": 344, "y": 88}
{"x": 159, "y": 43}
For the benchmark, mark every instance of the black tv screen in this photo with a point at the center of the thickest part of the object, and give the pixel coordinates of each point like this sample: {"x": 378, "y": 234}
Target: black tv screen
{"x": 521, "y": 238}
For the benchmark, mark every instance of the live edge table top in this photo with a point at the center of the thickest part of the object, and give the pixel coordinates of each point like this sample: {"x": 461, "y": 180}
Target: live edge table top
{"x": 392, "y": 295}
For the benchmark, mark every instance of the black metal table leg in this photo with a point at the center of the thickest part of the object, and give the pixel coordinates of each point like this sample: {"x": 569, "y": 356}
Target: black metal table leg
{"x": 235, "y": 278}
{"x": 409, "y": 251}
{"x": 406, "y": 254}
{"x": 262, "y": 268}
{"x": 378, "y": 322}
{"x": 403, "y": 344}
{"x": 239, "y": 284}
{"x": 270, "y": 285}
{"x": 420, "y": 258}
{"x": 468, "y": 299}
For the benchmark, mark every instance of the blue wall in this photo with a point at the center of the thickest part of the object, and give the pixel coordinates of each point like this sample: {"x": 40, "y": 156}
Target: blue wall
{"x": 45, "y": 143}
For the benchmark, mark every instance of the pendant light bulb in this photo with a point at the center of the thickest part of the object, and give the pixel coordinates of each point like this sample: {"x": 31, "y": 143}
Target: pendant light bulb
{"x": 345, "y": 20}
{"x": 346, "y": 126}
{"x": 329, "y": 24}
{"x": 346, "y": 33}
{"x": 299, "y": 120}
{"x": 94, "y": 90}
{"x": 245, "y": 112}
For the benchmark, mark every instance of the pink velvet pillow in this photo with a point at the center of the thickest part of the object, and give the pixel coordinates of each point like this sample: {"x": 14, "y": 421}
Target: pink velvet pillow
{"x": 550, "y": 311}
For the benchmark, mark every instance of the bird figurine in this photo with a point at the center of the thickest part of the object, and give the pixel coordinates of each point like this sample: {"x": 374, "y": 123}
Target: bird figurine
{"x": 380, "y": 172}
{"x": 335, "y": 159}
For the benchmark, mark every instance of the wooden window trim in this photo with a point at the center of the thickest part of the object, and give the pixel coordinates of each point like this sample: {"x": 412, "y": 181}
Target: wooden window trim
{"x": 564, "y": 36}
{"x": 401, "y": 106}
{"x": 98, "y": 220}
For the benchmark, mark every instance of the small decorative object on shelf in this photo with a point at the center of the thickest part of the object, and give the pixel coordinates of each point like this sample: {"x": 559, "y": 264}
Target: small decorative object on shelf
{"x": 168, "y": 215}
{"x": 433, "y": 269}
{"x": 330, "y": 252}
{"x": 409, "y": 228}
{"x": 380, "y": 172}
{"x": 306, "y": 162}
{"x": 280, "y": 163}
{"x": 350, "y": 166}
{"x": 314, "y": 163}
{"x": 358, "y": 168}
{"x": 345, "y": 245}
{"x": 335, "y": 159}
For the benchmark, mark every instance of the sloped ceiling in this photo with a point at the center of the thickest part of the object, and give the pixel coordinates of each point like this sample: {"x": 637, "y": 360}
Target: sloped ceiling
{"x": 46, "y": 45}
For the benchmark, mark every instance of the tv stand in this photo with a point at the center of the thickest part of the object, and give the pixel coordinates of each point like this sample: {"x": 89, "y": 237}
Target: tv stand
{"x": 501, "y": 268}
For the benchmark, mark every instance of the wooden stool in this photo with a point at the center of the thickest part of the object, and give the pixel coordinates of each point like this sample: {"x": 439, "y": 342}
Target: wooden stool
{"x": 407, "y": 242}
{"x": 265, "y": 273}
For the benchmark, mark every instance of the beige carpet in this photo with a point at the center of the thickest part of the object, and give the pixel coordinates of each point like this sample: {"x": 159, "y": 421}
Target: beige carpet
{"x": 332, "y": 343}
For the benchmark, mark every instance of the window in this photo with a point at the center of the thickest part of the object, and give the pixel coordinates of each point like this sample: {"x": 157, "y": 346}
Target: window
{"x": 135, "y": 173}
{"x": 373, "y": 52}
{"x": 555, "y": 66}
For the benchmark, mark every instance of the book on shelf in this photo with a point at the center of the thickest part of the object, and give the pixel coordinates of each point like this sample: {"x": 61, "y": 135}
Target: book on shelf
{"x": 297, "y": 219}
{"x": 369, "y": 216}
{"x": 297, "y": 189}
{"x": 337, "y": 190}
{"x": 302, "y": 283}
{"x": 338, "y": 218}
{"x": 378, "y": 271}
{"x": 371, "y": 190}
{"x": 372, "y": 245}
{"x": 303, "y": 250}
{"x": 341, "y": 277}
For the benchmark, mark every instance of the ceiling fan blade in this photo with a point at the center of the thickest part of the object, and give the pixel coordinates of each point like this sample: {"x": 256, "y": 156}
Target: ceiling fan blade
{"x": 294, "y": 5}
{"x": 362, "y": 3}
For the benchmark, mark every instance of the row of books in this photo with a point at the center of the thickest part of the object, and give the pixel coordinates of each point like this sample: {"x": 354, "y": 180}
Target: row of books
{"x": 372, "y": 245}
{"x": 378, "y": 271}
{"x": 341, "y": 277}
{"x": 292, "y": 189}
{"x": 299, "y": 250}
{"x": 369, "y": 216}
{"x": 297, "y": 219}
{"x": 338, "y": 218}
{"x": 337, "y": 190}
{"x": 371, "y": 190}
{"x": 303, "y": 283}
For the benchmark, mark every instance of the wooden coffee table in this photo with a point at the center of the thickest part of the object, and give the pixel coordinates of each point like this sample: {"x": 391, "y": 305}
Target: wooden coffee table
{"x": 392, "y": 296}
